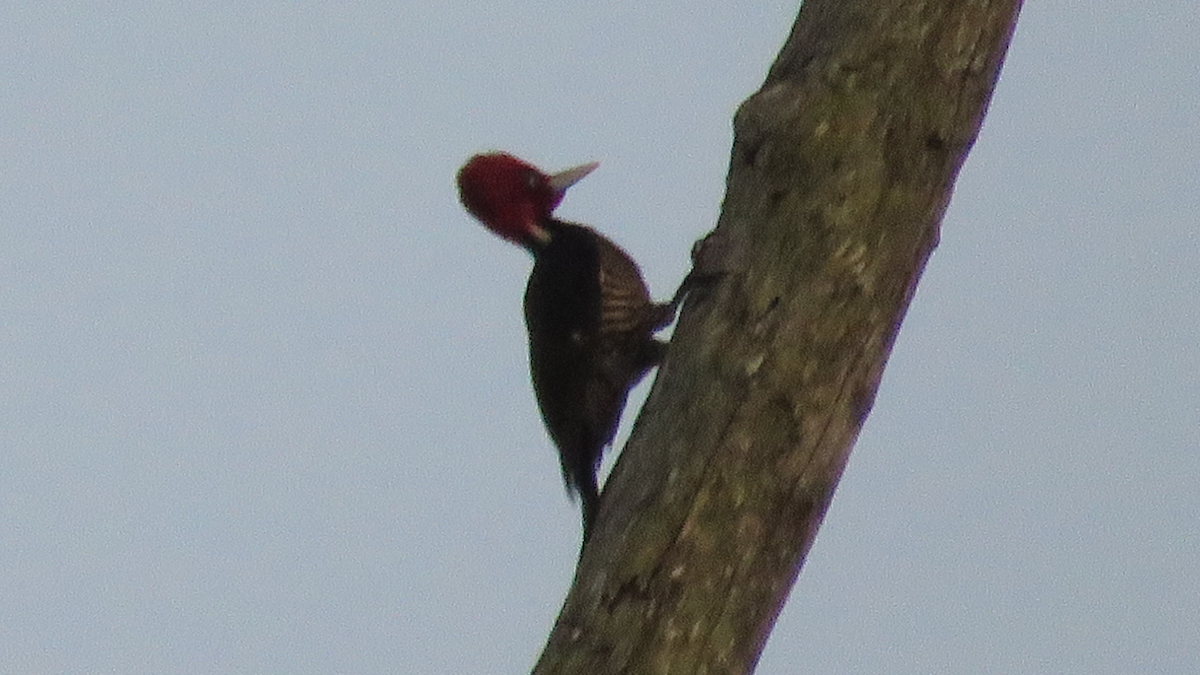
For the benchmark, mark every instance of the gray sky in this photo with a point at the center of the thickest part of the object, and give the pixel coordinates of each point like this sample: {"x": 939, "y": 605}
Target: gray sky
{"x": 265, "y": 402}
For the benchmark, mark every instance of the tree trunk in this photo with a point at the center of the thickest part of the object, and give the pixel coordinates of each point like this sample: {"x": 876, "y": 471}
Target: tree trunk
{"x": 842, "y": 166}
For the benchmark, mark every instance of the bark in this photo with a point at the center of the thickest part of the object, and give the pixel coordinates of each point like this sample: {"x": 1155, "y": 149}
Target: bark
{"x": 842, "y": 166}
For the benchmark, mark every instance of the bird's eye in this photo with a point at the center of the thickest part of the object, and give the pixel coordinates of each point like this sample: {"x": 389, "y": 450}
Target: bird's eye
{"x": 532, "y": 180}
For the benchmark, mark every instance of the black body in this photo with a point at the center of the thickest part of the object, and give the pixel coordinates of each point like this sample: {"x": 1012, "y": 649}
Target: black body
{"x": 591, "y": 325}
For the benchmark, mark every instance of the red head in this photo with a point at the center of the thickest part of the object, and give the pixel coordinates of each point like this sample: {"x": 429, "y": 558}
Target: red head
{"x": 511, "y": 197}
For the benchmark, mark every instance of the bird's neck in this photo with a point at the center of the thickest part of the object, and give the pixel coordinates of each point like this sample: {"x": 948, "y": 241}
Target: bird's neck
{"x": 561, "y": 235}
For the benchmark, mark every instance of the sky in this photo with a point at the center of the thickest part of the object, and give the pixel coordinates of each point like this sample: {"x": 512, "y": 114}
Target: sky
{"x": 265, "y": 395}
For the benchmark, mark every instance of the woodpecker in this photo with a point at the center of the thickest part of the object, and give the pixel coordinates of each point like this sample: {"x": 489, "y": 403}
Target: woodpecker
{"x": 590, "y": 318}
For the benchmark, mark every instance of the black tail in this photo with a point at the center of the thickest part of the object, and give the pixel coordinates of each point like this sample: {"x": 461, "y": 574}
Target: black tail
{"x": 589, "y": 495}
